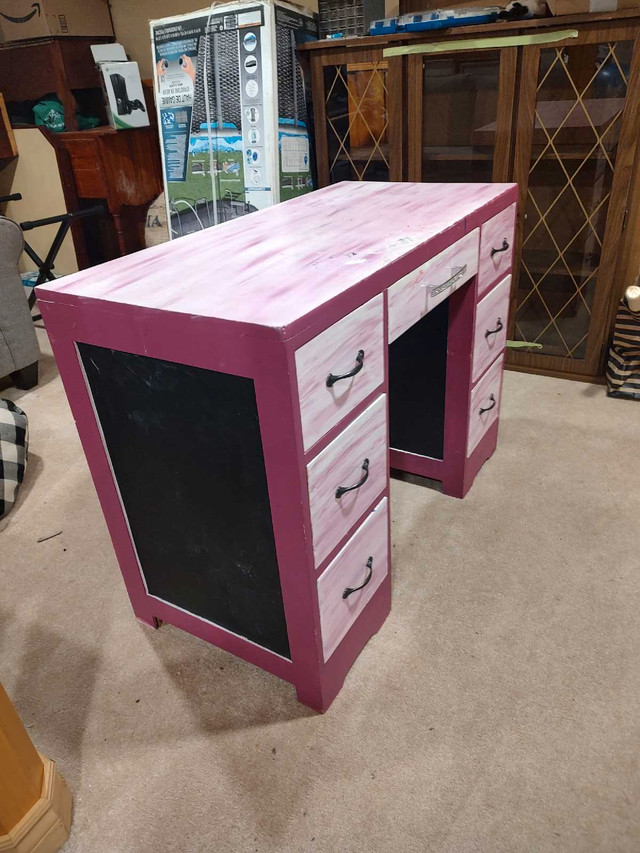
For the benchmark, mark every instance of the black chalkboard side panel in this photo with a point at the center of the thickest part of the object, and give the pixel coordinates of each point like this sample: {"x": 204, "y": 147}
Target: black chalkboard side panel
{"x": 187, "y": 455}
{"x": 417, "y": 385}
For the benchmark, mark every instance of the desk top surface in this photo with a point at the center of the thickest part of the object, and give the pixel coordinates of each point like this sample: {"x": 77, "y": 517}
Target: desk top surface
{"x": 275, "y": 267}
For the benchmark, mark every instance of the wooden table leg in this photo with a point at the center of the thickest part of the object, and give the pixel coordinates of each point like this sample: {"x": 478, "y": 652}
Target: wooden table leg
{"x": 35, "y": 803}
{"x": 122, "y": 240}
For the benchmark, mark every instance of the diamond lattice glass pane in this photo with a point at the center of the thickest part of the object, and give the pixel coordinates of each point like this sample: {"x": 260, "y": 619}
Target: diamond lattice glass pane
{"x": 581, "y": 94}
{"x": 357, "y": 122}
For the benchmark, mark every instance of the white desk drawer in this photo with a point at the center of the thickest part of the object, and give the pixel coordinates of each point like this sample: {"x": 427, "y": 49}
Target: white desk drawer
{"x": 339, "y": 368}
{"x": 491, "y": 327}
{"x": 496, "y": 248}
{"x": 358, "y": 454}
{"x": 428, "y": 285}
{"x": 485, "y": 404}
{"x": 349, "y": 582}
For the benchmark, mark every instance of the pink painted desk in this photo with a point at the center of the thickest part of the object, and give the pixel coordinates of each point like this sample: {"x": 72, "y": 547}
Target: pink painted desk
{"x": 237, "y": 392}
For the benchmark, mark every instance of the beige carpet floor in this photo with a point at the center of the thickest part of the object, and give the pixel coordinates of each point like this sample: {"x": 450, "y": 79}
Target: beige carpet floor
{"x": 497, "y": 710}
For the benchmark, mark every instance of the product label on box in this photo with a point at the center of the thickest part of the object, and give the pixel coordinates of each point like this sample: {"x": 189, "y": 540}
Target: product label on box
{"x": 209, "y": 79}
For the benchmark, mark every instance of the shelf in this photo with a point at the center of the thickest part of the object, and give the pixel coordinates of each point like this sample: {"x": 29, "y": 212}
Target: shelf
{"x": 454, "y": 152}
{"x": 358, "y": 155}
{"x": 578, "y": 268}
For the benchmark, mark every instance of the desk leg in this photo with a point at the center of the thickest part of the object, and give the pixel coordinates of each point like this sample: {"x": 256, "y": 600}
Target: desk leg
{"x": 462, "y": 305}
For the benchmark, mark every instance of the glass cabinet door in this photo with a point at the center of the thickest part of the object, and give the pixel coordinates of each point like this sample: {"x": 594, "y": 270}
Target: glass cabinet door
{"x": 357, "y": 123}
{"x": 459, "y": 111}
{"x": 568, "y": 156}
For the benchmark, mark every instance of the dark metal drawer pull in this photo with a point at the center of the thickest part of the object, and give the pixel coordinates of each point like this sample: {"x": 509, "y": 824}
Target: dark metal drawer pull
{"x": 342, "y": 490}
{"x": 503, "y": 248}
{"x": 450, "y": 281}
{"x": 332, "y": 378}
{"x": 495, "y": 331}
{"x": 349, "y": 589}
{"x": 492, "y": 406}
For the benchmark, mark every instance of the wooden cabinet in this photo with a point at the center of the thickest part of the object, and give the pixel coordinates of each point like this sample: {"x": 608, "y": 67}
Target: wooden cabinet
{"x": 552, "y": 104}
{"x": 577, "y": 134}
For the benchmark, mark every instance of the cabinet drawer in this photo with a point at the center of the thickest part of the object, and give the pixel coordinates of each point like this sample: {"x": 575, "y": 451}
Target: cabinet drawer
{"x": 363, "y": 562}
{"x": 491, "y": 327}
{"x": 358, "y": 453}
{"x": 324, "y": 397}
{"x": 422, "y": 289}
{"x": 485, "y": 404}
{"x": 496, "y": 248}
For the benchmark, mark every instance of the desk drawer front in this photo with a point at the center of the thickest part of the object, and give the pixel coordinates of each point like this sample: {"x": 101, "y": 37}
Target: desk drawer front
{"x": 496, "y": 248}
{"x": 358, "y": 453}
{"x": 428, "y": 285}
{"x": 485, "y": 404}
{"x": 364, "y": 563}
{"x": 333, "y": 376}
{"x": 491, "y": 327}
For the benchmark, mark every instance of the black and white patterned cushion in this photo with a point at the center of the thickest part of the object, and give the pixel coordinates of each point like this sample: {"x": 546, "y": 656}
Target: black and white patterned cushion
{"x": 14, "y": 445}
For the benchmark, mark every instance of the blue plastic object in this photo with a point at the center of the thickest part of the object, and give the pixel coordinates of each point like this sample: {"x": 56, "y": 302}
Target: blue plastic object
{"x": 383, "y": 27}
{"x": 435, "y": 20}
{"x": 441, "y": 18}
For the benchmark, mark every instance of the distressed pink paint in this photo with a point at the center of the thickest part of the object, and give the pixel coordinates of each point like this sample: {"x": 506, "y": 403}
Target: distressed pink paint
{"x": 348, "y": 571}
{"x": 491, "y": 315}
{"x": 340, "y": 464}
{"x": 494, "y": 233}
{"x": 335, "y": 351}
{"x": 485, "y": 404}
{"x": 245, "y": 298}
{"x": 294, "y": 258}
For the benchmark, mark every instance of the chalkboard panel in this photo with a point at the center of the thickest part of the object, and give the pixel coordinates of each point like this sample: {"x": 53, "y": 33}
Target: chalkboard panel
{"x": 417, "y": 385}
{"x": 187, "y": 455}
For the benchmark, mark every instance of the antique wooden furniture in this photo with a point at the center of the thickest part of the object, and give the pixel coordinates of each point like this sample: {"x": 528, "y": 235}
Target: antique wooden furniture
{"x": 552, "y": 104}
{"x": 121, "y": 167}
{"x": 231, "y": 390}
{"x": 33, "y": 68}
{"x": 35, "y": 803}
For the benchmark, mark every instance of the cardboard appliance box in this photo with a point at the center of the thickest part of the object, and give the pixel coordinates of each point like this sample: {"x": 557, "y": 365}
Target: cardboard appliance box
{"x": 23, "y": 19}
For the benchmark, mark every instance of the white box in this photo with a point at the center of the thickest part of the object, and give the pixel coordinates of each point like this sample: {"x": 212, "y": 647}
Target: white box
{"x": 125, "y": 98}
{"x": 231, "y": 110}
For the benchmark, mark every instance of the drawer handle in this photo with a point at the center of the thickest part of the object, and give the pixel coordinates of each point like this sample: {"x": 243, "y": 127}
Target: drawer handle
{"x": 350, "y": 589}
{"x": 503, "y": 248}
{"x": 332, "y": 378}
{"x": 450, "y": 281}
{"x": 492, "y": 406}
{"x": 342, "y": 490}
{"x": 495, "y": 331}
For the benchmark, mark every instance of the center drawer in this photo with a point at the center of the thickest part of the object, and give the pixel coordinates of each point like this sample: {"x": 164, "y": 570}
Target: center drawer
{"x": 347, "y": 477}
{"x": 349, "y": 582}
{"x": 428, "y": 285}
